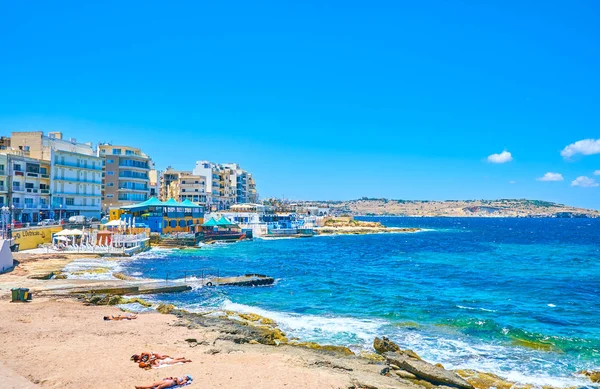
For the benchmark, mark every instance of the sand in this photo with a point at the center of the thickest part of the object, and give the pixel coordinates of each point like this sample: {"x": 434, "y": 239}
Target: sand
{"x": 65, "y": 344}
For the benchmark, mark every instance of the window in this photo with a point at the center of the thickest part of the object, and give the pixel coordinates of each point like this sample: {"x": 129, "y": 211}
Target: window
{"x": 110, "y": 161}
{"x": 1, "y": 167}
{"x": 28, "y": 201}
{"x": 117, "y": 151}
{"x": 70, "y": 201}
{"x": 110, "y": 173}
{"x": 16, "y": 200}
{"x": 18, "y": 167}
{"x": 43, "y": 170}
{"x": 110, "y": 184}
{"x": 110, "y": 195}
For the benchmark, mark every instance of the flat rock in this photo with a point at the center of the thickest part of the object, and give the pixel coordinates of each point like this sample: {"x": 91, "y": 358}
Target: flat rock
{"x": 426, "y": 371}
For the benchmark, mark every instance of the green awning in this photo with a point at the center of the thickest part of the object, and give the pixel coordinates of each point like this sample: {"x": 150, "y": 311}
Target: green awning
{"x": 188, "y": 204}
{"x": 211, "y": 223}
{"x": 151, "y": 202}
{"x": 223, "y": 222}
{"x": 172, "y": 203}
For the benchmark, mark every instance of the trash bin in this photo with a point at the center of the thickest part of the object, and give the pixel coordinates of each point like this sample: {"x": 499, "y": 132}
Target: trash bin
{"x": 15, "y": 294}
{"x": 23, "y": 294}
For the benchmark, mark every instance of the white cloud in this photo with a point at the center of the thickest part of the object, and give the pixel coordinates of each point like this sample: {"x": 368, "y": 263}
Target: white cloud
{"x": 585, "y": 147}
{"x": 503, "y": 157}
{"x": 551, "y": 177}
{"x": 597, "y": 173}
{"x": 585, "y": 182}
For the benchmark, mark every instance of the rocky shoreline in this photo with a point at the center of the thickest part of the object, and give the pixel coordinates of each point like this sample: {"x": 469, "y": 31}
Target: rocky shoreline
{"x": 388, "y": 367}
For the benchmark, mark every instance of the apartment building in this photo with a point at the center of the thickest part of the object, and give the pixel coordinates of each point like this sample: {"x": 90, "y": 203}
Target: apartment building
{"x": 189, "y": 187}
{"x": 226, "y": 184}
{"x": 74, "y": 173}
{"x": 168, "y": 176}
{"x": 126, "y": 175}
{"x": 25, "y": 186}
{"x": 242, "y": 183}
{"x": 76, "y": 183}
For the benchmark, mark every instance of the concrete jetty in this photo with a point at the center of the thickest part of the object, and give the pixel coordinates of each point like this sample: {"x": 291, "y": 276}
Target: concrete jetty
{"x": 245, "y": 280}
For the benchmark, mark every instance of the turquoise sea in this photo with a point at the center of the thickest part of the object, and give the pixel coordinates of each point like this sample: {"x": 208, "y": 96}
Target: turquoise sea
{"x": 516, "y": 297}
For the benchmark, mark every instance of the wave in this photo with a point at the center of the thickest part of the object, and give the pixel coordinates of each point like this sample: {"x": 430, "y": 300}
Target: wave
{"x": 475, "y": 309}
{"x": 332, "y": 329}
{"x": 92, "y": 269}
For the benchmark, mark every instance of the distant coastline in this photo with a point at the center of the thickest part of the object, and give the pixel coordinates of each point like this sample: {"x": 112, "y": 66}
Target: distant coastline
{"x": 517, "y": 208}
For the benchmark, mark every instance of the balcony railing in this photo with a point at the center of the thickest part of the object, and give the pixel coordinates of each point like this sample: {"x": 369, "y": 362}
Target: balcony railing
{"x": 77, "y": 180}
{"x": 78, "y": 166}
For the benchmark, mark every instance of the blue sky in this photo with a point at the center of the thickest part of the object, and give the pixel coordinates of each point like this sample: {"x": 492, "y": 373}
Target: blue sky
{"x": 323, "y": 99}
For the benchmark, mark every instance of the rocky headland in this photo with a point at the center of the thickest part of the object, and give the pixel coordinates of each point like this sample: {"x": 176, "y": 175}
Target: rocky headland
{"x": 349, "y": 226}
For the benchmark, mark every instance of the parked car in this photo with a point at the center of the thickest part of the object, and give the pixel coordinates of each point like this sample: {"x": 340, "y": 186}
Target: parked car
{"x": 77, "y": 219}
{"x": 104, "y": 220}
{"x": 17, "y": 224}
{"x": 48, "y": 222}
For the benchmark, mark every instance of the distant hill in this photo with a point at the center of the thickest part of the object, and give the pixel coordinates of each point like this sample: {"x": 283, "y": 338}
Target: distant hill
{"x": 463, "y": 208}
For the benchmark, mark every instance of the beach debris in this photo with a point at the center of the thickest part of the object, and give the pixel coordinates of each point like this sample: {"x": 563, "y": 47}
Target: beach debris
{"x": 212, "y": 351}
{"x": 427, "y": 371}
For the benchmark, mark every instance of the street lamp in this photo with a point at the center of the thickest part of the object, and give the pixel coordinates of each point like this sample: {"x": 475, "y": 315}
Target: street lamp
{"x": 12, "y": 215}
{"x": 60, "y": 214}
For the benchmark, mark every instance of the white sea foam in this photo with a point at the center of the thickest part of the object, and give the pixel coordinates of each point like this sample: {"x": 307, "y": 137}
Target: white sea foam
{"x": 475, "y": 309}
{"x": 317, "y": 328}
{"x": 512, "y": 363}
{"x": 83, "y": 269}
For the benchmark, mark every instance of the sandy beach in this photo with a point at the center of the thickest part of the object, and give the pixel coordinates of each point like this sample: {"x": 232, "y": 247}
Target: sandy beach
{"x": 57, "y": 341}
{"x": 62, "y": 343}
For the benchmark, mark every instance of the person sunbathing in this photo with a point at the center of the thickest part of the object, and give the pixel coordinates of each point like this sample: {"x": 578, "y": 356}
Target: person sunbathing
{"x": 156, "y": 363}
{"x": 168, "y": 382}
{"x": 119, "y": 317}
{"x": 145, "y": 357}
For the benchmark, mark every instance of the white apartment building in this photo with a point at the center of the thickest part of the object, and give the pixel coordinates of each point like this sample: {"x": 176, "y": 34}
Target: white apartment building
{"x": 226, "y": 184}
{"x": 76, "y": 183}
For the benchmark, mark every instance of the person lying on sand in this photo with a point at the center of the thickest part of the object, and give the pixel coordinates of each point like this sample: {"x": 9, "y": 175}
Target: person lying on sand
{"x": 147, "y": 356}
{"x": 167, "y": 382}
{"x": 156, "y": 363}
{"x": 119, "y": 317}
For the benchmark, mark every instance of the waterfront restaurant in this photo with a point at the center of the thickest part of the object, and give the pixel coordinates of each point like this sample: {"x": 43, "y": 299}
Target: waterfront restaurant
{"x": 163, "y": 217}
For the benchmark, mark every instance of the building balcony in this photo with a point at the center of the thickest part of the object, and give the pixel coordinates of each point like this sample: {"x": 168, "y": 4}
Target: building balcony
{"x": 34, "y": 206}
{"x": 135, "y": 190}
{"x": 77, "y": 194}
{"x": 97, "y": 168}
{"x": 77, "y": 180}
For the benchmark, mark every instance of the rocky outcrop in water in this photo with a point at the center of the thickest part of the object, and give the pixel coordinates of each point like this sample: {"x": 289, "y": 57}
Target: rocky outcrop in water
{"x": 427, "y": 371}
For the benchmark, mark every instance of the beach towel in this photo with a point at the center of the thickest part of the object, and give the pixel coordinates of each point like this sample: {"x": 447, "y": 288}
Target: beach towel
{"x": 181, "y": 386}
